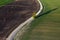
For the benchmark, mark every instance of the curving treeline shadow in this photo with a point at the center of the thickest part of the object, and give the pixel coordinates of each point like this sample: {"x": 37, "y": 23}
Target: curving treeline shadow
{"x": 49, "y": 11}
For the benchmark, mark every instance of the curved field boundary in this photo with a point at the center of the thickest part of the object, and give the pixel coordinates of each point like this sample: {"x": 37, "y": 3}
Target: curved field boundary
{"x": 11, "y": 36}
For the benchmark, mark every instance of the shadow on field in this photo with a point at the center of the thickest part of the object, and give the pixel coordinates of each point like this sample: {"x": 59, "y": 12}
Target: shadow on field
{"x": 46, "y": 12}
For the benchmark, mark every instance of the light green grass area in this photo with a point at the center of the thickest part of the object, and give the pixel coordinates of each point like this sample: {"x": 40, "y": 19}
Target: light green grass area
{"x": 4, "y": 2}
{"x": 46, "y": 27}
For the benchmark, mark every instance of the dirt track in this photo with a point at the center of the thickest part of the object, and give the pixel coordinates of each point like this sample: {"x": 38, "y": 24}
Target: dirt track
{"x": 14, "y": 14}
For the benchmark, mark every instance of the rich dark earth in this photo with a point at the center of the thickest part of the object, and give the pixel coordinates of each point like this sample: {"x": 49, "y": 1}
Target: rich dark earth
{"x": 13, "y": 14}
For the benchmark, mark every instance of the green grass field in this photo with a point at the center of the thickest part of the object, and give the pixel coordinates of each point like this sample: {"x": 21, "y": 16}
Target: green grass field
{"x": 46, "y": 27}
{"x": 4, "y": 2}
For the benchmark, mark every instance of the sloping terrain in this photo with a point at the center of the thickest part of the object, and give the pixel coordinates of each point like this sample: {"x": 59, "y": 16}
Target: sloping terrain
{"x": 13, "y": 14}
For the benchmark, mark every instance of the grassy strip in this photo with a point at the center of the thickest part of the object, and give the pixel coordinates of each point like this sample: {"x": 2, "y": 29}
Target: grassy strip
{"x": 4, "y": 2}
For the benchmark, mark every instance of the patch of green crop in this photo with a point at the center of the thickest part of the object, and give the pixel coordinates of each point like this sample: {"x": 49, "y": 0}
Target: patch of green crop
{"x": 4, "y": 2}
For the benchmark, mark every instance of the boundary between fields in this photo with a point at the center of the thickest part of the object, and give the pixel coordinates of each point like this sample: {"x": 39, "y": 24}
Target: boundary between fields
{"x": 12, "y": 35}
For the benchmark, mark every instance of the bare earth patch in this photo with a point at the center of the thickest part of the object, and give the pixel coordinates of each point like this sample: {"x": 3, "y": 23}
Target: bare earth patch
{"x": 13, "y": 14}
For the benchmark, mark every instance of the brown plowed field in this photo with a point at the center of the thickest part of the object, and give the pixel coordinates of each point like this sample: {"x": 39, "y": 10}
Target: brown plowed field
{"x": 13, "y": 14}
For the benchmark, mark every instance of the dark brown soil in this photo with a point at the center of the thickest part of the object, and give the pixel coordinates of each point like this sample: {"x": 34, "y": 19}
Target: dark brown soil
{"x": 13, "y": 14}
